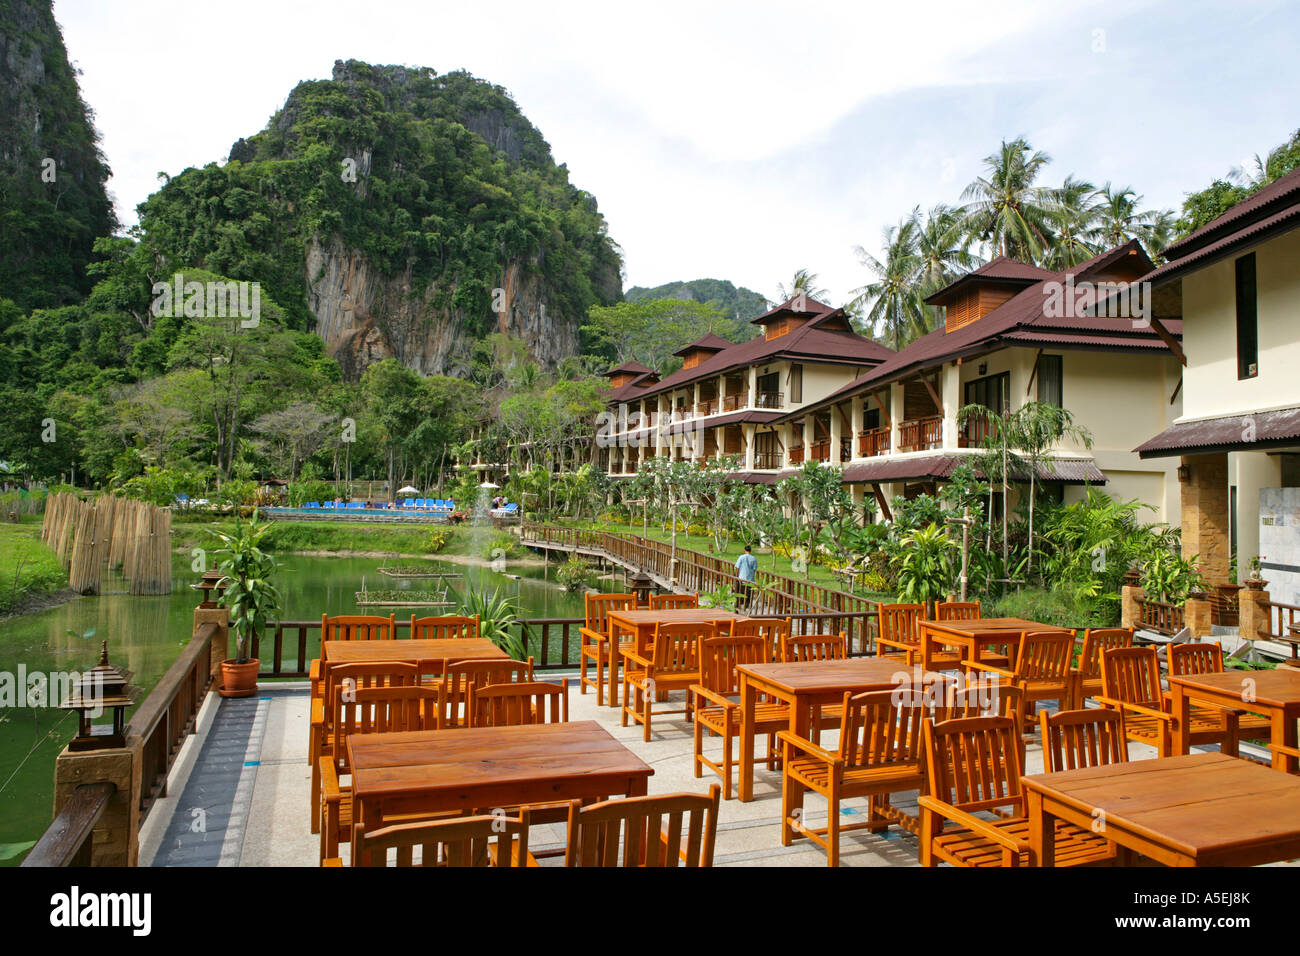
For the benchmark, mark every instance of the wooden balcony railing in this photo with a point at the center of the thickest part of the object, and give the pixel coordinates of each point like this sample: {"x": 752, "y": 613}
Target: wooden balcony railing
{"x": 821, "y": 450}
{"x": 873, "y": 442}
{"x": 706, "y": 407}
{"x": 921, "y": 434}
{"x": 1161, "y": 617}
{"x": 733, "y": 403}
{"x": 769, "y": 400}
{"x": 976, "y": 430}
{"x": 767, "y": 460}
{"x": 796, "y": 454}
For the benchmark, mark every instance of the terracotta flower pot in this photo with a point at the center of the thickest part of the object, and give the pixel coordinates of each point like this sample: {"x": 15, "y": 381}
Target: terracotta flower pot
{"x": 239, "y": 680}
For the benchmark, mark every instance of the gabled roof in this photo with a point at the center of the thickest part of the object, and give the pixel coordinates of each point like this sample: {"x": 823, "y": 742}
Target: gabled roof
{"x": 635, "y": 367}
{"x": 1020, "y": 321}
{"x": 809, "y": 342}
{"x": 1273, "y": 210}
{"x": 1002, "y": 271}
{"x": 795, "y": 305}
{"x": 710, "y": 343}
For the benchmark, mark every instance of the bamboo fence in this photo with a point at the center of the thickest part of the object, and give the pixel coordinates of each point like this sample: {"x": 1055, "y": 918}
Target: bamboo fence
{"x": 114, "y": 532}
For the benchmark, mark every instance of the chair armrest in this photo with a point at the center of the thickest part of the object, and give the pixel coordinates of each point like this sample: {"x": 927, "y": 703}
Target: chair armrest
{"x": 699, "y": 690}
{"x": 901, "y": 645}
{"x": 594, "y": 637}
{"x": 314, "y": 671}
{"x": 330, "y": 790}
{"x": 991, "y": 668}
{"x": 1135, "y": 708}
{"x": 332, "y": 861}
{"x": 983, "y": 827}
{"x": 808, "y": 747}
{"x": 1284, "y": 749}
{"x": 636, "y": 658}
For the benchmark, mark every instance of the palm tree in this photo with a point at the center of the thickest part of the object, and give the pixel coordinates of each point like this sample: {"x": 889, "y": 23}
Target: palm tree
{"x": 892, "y": 305}
{"x": 1118, "y": 218}
{"x": 1005, "y": 209}
{"x": 942, "y": 249}
{"x": 803, "y": 282}
{"x": 1159, "y": 232}
{"x": 1072, "y": 217}
{"x": 1035, "y": 427}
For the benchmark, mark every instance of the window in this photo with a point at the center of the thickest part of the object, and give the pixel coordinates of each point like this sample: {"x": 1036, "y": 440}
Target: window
{"x": 796, "y": 384}
{"x": 1049, "y": 380}
{"x": 870, "y": 418}
{"x": 1247, "y": 326}
{"x": 992, "y": 391}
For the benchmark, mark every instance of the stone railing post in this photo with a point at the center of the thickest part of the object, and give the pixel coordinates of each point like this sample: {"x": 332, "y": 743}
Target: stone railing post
{"x": 116, "y": 839}
{"x": 1131, "y": 597}
{"x": 1196, "y": 617}
{"x": 219, "y": 616}
{"x": 1253, "y": 614}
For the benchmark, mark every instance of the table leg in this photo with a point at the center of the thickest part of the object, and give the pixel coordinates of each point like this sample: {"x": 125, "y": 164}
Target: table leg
{"x": 748, "y": 701}
{"x": 1284, "y": 732}
{"x": 614, "y": 658}
{"x": 1042, "y": 832}
{"x": 638, "y": 787}
{"x": 1182, "y": 708}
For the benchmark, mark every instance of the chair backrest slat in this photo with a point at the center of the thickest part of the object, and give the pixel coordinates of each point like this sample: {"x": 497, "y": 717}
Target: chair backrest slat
{"x": 514, "y": 705}
{"x": 598, "y": 607}
{"x": 1096, "y": 640}
{"x": 720, "y": 656}
{"x": 898, "y": 622}
{"x": 973, "y": 763}
{"x": 1045, "y": 655}
{"x": 483, "y": 840}
{"x": 957, "y": 611}
{"x": 676, "y": 647}
{"x": 772, "y": 629}
{"x": 662, "y": 602}
{"x": 1186, "y": 660}
{"x": 1132, "y": 675}
{"x": 1073, "y": 739}
{"x": 444, "y": 627}
{"x": 358, "y": 627}
{"x": 380, "y": 710}
{"x": 815, "y": 647}
{"x": 461, "y": 677}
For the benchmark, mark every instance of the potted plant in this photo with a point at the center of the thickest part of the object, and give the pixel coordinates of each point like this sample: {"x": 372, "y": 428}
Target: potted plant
{"x": 250, "y": 596}
{"x": 1255, "y": 582}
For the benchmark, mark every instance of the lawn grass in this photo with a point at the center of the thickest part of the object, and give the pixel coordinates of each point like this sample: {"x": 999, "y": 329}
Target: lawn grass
{"x": 289, "y": 536}
{"x": 28, "y": 569}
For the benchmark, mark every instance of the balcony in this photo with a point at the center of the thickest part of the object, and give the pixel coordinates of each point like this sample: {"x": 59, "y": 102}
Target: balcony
{"x": 976, "y": 430}
{"x": 874, "y": 442}
{"x": 921, "y": 434}
{"x": 767, "y": 460}
{"x": 707, "y": 407}
{"x": 796, "y": 454}
{"x": 769, "y": 400}
{"x": 733, "y": 403}
{"x": 821, "y": 450}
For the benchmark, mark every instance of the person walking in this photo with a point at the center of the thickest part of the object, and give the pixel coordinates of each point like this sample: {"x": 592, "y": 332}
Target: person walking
{"x": 746, "y": 569}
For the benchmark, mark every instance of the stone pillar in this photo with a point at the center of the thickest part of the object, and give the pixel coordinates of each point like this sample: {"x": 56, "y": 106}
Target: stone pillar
{"x": 752, "y": 386}
{"x": 1253, "y": 620}
{"x": 1205, "y": 515}
{"x": 950, "y": 394}
{"x": 116, "y": 838}
{"x": 837, "y": 432}
{"x": 1131, "y": 606}
{"x": 1196, "y": 617}
{"x": 750, "y": 431}
{"x": 857, "y": 408}
{"x": 895, "y": 414}
{"x": 809, "y": 433}
{"x": 221, "y": 642}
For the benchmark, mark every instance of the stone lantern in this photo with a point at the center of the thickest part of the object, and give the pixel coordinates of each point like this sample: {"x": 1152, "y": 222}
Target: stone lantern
{"x": 102, "y": 688}
{"x": 642, "y": 586}
{"x": 212, "y": 580}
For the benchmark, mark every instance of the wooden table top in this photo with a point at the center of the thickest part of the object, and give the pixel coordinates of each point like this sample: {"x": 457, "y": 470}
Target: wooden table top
{"x": 433, "y": 761}
{"x": 992, "y": 625}
{"x": 1195, "y": 804}
{"x": 683, "y": 615}
{"x": 1273, "y": 688}
{"x": 812, "y": 677}
{"x": 449, "y": 649}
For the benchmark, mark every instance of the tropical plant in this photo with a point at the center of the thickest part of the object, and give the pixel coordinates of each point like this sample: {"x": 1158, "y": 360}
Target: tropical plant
{"x": 436, "y": 540}
{"x": 890, "y": 306}
{"x": 1006, "y": 209}
{"x": 804, "y": 282}
{"x": 496, "y": 613}
{"x": 575, "y": 575}
{"x": 925, "y": 565}
{"x": 1169, "y": 577}
{"x": 723, "y": 598}
{"x": 1034, "y": 428}
{"x": 250, "y": 594}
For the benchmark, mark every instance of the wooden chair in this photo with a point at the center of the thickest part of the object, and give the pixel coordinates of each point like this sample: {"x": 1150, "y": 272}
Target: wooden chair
{"x": 718, "y": 713}
{"x": 1087, "y": 673}
{"x": 1288, "y": 752}
{"x": 595, "y": 637}
{"x": 879, "y": 753}
{"x": 973, "y": 765}
{"x": 671, "y": 602}
{"x": 898, "y": 631}
{"x": 371, "y": 710}
{"x": 340, "y": 679}
{"x": 1130, "y": 678}
{"x": 514, "y": 705}
{"x": 957, "y": 611}
{"x": 673, "y": 663}
{"x": 772, "y": 629}
{"x": 1196, "y": 658}
{"x": 818, "y": 647}
{"x": 647, "y": 838}
{"x": 446, "y": 627}
{"x": 487, "y": 840}
{"x": 351, "y": 627}
{"x": 1073, "y": 739}
{"x": 460, "y": 679}
{"x": 1041, "y": 672}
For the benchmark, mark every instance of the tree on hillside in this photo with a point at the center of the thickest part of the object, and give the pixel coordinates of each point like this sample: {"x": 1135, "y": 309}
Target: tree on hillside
{"x": 648, "y": 331}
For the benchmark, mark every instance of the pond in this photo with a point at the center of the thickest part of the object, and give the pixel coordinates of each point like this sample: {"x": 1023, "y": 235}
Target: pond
{"x": 145, "y": 635}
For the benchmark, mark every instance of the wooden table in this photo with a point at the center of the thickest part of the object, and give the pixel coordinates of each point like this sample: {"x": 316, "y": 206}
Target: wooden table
{"x": 641, "y": 623}
{"x": 482, "y": 768}
{"x": 1204, "y": 809}
{"x": 1275, "y": 693}
{"x": 805, "y": 685}
{"x": 412, "y": 652}
{"x": 973, "y": 636}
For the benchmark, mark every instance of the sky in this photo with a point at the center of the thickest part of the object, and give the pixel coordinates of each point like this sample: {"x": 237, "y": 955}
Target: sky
{"x": 734, "y": 141}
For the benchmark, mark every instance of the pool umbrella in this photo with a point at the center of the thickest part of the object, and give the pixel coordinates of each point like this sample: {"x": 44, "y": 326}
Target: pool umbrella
{"x": 408, "y": 490}
{"x": 488, "y": 484}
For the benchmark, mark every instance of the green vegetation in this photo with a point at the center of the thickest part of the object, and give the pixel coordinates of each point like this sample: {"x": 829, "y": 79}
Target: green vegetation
{"x": 250, "y": 594}
{"x": 1207, "y": 204}
{"x": 297, "y": 536}
{"x": 575, "y": 574}
{"x": 28, "y": 569}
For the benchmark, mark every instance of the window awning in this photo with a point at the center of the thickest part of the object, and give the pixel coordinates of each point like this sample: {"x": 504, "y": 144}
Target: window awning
{"x": 1249, "y": 431}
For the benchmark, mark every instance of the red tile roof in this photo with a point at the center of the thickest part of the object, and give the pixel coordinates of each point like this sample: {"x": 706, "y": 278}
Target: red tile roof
{"x": 810, "y": 306}
{"x": 1252, "y": 233}
{"x": 1227, "y": 433}
{"x": 636, "y": 367}
{"x": 710, "y": 343}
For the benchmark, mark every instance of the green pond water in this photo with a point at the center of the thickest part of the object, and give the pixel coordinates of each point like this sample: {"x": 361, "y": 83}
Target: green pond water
{"x": 145, "y": 635}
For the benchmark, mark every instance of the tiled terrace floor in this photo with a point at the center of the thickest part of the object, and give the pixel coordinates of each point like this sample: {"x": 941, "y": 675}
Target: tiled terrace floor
{"x": 239, "y": 793}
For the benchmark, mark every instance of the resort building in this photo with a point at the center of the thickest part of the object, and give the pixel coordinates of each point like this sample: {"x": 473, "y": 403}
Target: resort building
{"x": 726, "y": 397}
{"x": 1236, "y": 440}
{"x": 1012, "y": 333}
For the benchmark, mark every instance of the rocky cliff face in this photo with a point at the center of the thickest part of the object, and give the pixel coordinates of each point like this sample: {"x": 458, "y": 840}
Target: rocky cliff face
{"x": 365, "y": 317}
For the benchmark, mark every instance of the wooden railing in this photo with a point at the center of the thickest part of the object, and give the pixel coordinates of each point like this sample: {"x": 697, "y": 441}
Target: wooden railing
{"x": 769, "y": 399}
{"x": 1281, "y": 617}
{"x": 874, "y": 441}
{"x": 796, "y": 454}
{"x": 821, "y": 450}
{"x": 768, "y": 460}
{"x": 707, "y": 407}
{"x": 1161, "y": 617}
{"x": 68, "y": 840}
{"x": 976, "y": 429}
{"x": 167, "y": 715}
{"x": 734, "y": 403}
{"x": 774, "y": 594}
{"x": 921, "y": 434}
